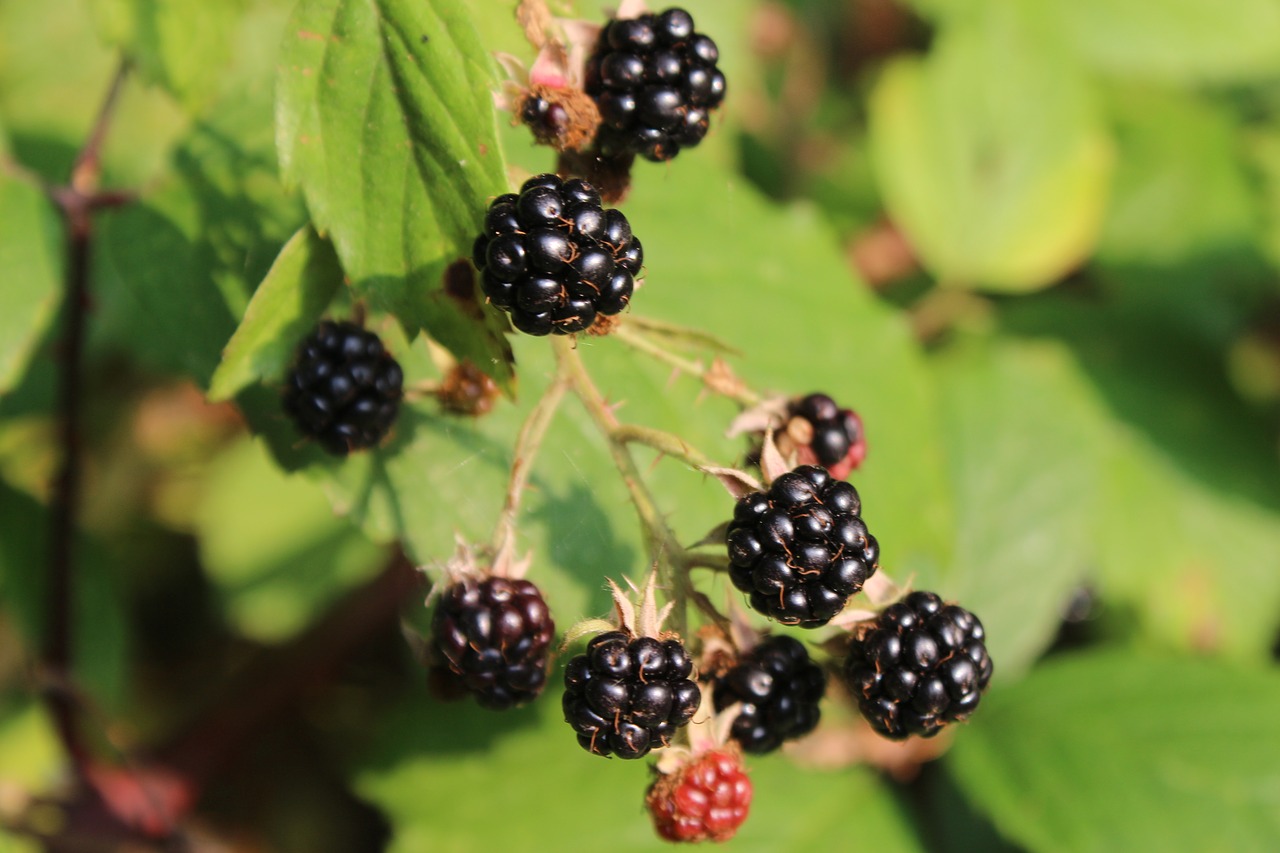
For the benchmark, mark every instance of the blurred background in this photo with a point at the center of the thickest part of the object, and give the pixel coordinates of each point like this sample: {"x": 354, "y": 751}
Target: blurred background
{"x": 1034, "y": 244}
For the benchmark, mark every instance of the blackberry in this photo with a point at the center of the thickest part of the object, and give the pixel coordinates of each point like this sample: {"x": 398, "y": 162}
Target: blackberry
{"x": 706, "y": 799}
{"x": 800, "y": 549}
{"x": 344, "y": 388}
{"x": 627, "y": 695}
{"x": 493, "y": 636}
{"x": 921, "y": 665}
{"x": 554, "y": 259}
{"x": 779, "y": 688}
{"x": 655, "y": 81}
{"x": 836, "y": 439}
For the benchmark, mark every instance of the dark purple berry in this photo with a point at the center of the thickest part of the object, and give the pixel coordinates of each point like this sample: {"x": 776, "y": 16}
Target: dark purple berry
{"x": 492, "y": 637}
{"x": 779, "y": 688}
{"x": 344, "y": 388}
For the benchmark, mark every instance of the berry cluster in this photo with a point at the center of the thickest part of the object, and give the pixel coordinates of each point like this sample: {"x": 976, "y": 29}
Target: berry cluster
{"x": 344, "y": 389}
{"x": 922, "y": 664}
{"x": 554, "y": 259}
{"x": 779, "y": 688}
{"x": 705, "y": 800}
{"x": 655, "y": 81}
{"x": 494, "y": 635}
{"x": 836, "y": 441}
{"x": 627, "y": 695}
{"x": 800, "y": 549}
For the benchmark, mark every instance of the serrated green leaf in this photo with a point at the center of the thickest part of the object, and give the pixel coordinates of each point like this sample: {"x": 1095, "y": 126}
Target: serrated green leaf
{"x": 1024, "y": 436}
{"x": 1110, "y": 751}
{"x": 271, "y": 544}
{"x": 182, "y": 45}
{"x": 991, "y": 155}
{"x": 385, "y": 119}
{"x": 1185, "y": 41}
{"x": 428, "y": 752}
{"x": 300, "y": 285}
{"x": 31, "y": 255}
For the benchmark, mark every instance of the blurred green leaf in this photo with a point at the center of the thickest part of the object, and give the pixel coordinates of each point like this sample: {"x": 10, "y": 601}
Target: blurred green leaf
{"x": 386, "y": 120}
{"x": 31, "y": 754}
{"x": 271, "y": 544}
{"x": 1181, "y": 187}
{"x": 286, "y": 305}
{"x": 1184, "y": 41}
{"x": 991, "y": 154}
{"x": 1114, "y": 751}
{"x": 31, "y": 255}
{"x": 427, "y": 753}
{"x": 182, "y": 45}
{"x": 1023, "y": 433}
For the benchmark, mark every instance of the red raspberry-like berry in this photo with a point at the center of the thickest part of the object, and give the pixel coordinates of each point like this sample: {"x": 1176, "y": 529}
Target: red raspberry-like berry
{"x": 706, "y": 799}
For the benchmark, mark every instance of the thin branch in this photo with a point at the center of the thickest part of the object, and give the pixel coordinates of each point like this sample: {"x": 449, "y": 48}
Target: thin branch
{"x": 717, "y": 378}
{"x": 663, "y": 442}
{"x": 87, "y": 171}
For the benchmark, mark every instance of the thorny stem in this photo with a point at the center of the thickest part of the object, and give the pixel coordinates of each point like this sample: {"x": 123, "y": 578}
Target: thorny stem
{"x": 735, "y": 390}
{"x": 77, "y": 201}
{"x": 526, "y": 450}
{"x": 663, "y": 442}
{"x": 672, "y": 559}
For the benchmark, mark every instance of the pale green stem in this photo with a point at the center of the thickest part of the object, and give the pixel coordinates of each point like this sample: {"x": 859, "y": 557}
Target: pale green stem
{"x": 528, "y": 443}
{"x": 641, "y": 342}
{"x": 663, "y": 442}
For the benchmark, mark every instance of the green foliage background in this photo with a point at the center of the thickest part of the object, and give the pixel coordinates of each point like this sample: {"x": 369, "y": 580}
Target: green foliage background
{"x": 1078, "y": 387}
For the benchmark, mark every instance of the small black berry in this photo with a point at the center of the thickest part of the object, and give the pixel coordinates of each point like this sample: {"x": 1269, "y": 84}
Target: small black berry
{"x": 655, "y": 81}
{"x": 554, "y": 258}
{"x": 779, "y": 688}
{"x": 800, "y": 550}
{"x": 627, "y": 695}
{"x": 344, "y": 388}
{"x": 921, "y": 664}
{"x": 493, "y": 636}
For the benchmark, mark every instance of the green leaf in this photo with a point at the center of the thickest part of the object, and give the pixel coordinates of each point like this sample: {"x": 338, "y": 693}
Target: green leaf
{"x": 1181, "y": 188}
{"x": 31, "y": 255}
{"x": 1111, "y": 751}
{"x": 182, "y": 45}
{"x": 1023, "y": 433}
{"x": 1184, "y": 41}
{"x": 29, "y": 744}
{"x": 427, "y": 753}
{"x": 287, "y": 304}
{"x": 272, "y": 545}
{"x": 385, "y": 119}
{"x": 991, "y": 154}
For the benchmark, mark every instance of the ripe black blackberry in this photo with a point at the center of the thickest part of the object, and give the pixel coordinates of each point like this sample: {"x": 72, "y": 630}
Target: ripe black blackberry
{"x": 554, "y": 259}
{"x": 779, "y": 688}
{"x": 344, "y": 388}
{"x": 837, "y": 442}
{"x": 922, "y": 664}
{"x": 800, "y": 549}
{"x": 627, "y": 695}
{"x": 655, "y": 81}
{"x": 492, "y": 636}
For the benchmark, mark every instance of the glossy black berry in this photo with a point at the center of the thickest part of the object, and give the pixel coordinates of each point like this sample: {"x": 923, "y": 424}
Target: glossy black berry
{"x": 921, "y": 665}
{"x": 800, "y": 549}
{"x": 344, "y": 388}
{"x": 554, "y": 259}
{"x": 627, "y": 695}
{"x": 779, "y": 688}
{"x": 492, "y": 637}
{"x": 655, "y": 81}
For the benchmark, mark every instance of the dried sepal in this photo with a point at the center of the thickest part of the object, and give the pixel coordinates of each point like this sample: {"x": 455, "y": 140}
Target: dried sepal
{"x": 773, "y": 464}
{"x": 770, "y": 413}
{"x": 739, "y": 484}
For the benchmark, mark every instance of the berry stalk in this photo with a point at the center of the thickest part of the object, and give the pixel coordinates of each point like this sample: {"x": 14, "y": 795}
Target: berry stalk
{"x": 528, "y": 442}
{"x": 716, "y": 378}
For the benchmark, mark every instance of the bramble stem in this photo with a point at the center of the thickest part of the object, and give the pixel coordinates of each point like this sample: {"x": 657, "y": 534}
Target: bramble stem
{"x": 661, "y": 540}
{"x": 722, "y": 383}
{"x": 528, "y": 443}
{"x": 76, "y": 201}
{"x": 663, "y": 442}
